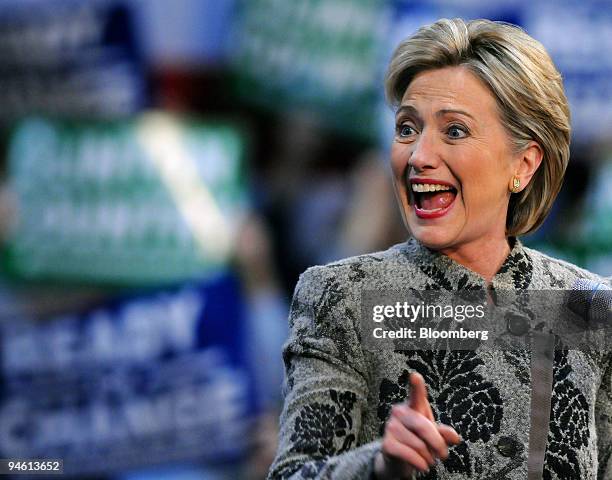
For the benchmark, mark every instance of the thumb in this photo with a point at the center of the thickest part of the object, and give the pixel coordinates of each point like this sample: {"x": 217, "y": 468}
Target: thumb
{"x": 418, "y": 396}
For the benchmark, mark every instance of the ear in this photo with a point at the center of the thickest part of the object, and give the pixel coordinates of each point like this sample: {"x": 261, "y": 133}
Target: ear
{"x": 527, "y": 162}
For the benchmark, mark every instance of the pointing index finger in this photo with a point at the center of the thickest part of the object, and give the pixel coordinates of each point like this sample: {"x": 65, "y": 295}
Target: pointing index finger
{"x": 418, "y": 396}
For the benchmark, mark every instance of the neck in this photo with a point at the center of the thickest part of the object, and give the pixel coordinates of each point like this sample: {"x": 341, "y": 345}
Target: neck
{"x": 485, "y": 257}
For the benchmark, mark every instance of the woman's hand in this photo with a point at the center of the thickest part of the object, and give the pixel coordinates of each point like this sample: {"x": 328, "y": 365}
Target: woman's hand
{"x": 412, "y": 440}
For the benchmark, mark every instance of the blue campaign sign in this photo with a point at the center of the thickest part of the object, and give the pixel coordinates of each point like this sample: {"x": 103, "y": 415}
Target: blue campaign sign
{"x": 70, "y": 58}
{"x": 578, "y": 36}
{"x": 140, "y": 381}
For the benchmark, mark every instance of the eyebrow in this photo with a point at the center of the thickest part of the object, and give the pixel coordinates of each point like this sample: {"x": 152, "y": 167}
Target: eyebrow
{"x": 444, "y": 111}
{"x": 413, "y": 111}
{"x": 408, "y": 109}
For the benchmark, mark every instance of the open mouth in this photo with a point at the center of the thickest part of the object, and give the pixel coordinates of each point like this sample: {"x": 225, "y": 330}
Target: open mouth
{"x": 431, "y": 198}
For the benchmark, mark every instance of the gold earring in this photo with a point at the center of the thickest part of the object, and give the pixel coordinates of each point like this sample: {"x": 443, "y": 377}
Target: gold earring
{"x": 516, "y": 185}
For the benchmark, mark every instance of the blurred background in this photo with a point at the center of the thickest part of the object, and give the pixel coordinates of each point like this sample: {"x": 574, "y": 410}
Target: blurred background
{"x": 168, "y": 169}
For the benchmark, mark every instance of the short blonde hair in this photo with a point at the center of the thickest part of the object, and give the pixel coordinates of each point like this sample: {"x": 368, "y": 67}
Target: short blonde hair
{"x": 528, "y": 89}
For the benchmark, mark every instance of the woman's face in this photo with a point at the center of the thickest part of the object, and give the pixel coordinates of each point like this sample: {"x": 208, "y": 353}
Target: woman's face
{"x": 451, "y": 160}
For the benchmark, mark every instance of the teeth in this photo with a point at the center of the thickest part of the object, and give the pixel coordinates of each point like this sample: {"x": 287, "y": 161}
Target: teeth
{"x": 429, "y": 187}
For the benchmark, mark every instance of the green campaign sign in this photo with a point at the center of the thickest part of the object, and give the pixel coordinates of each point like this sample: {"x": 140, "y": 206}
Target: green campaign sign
{"x": 151, "y": 200}
{"x": 324, "y": 55}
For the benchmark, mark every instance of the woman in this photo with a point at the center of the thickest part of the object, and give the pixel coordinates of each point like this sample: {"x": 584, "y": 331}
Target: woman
{"x": 480, "y": 149}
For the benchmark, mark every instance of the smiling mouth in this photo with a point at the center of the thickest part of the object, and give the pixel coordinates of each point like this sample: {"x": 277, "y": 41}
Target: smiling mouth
{"x": 431, "y": 199}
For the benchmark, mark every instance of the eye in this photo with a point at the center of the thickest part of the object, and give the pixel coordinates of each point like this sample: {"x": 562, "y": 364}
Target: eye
{"x": 456, "y": 131}
{"x": 405, "y": 130}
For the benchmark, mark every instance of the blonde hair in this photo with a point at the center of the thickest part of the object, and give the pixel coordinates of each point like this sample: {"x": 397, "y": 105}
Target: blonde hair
{"x": 528, "y": 89}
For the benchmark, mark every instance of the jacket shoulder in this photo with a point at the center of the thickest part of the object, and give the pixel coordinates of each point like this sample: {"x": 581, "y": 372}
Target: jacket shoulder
{"x": 360, "y": 266}
{"x": 560, "y": 273}
{"x": 339, "y": 284}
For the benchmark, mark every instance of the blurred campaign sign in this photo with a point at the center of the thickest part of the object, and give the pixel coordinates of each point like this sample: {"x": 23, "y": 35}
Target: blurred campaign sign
{"x": 192, "y": 33}
{"x": 594, "y": 234}
{"x": 580, "y": 49}
{"x": 318, "y": 55}
{"x": 148, "y": 379}
{"x": 145, "y": 201}
{"x": 69, "y": 58}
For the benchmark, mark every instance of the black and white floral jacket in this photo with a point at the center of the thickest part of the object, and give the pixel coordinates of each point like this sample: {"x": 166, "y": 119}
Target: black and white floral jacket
{"x": 338, "y": 394}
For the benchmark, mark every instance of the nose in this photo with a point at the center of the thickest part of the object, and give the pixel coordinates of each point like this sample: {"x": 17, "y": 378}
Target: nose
{"x": 425, "y": 152}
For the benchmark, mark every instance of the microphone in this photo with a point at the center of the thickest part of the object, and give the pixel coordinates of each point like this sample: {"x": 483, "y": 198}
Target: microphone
{"x": 592, "y": 302}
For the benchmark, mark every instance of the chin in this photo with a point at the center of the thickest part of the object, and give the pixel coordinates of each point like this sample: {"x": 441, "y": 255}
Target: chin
{"x": 432, "y": 237}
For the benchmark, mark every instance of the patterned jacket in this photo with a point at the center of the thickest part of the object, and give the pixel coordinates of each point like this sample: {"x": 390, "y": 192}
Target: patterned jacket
{"x": 338, "y": 394}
